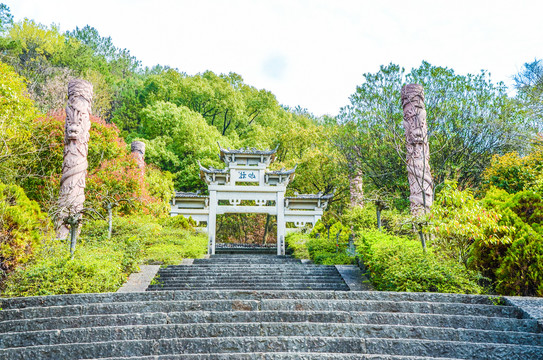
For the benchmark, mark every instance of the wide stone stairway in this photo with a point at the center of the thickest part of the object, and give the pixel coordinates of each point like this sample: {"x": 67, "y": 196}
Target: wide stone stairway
{"x": 228, "y": 323}
{"x": 248, "y": 272}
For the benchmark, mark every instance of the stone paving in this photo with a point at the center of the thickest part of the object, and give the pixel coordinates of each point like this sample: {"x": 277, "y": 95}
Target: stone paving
{"x": 531, "y": 306}
{"x": 140, "y": 281}
{"x": 353, "y": 277}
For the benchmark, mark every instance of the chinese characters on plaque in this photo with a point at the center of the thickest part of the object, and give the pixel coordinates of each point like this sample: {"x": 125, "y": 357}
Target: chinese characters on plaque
{"x": 248, "y": 176}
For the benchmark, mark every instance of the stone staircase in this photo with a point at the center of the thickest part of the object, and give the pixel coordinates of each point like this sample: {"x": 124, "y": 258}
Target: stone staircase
{"x": 248, "y": 272}
{"x": 262, "y": 323}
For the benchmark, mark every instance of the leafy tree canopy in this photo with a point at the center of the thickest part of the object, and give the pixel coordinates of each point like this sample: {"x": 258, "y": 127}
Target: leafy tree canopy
{"x": 470, "y": 118}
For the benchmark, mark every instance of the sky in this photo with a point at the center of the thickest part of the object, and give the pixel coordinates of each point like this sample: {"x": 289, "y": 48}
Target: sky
{"x": 309, "y": 53}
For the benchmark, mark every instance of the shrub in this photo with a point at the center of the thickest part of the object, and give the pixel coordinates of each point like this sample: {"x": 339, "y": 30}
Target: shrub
{"x": 514, "y": 173}
{"x": 17, "y": 112}
{"x": 329, "y": 251}
{"x": 321, "y": 250}
{"x": 517, "y": 268}
{"x": 21, "y": 227}
{"x": 298, "y": 243}
{"x": 164, "y": 241}
{"x": 179, "y": 222}
{"x": 399, "y": 264}
{"x": 94, "y": 268}
{"x": 361, "y": 217}
{"x": 101, "y": 264}
{"x": 458, "y": 222}
{"x": 521, "y": 269}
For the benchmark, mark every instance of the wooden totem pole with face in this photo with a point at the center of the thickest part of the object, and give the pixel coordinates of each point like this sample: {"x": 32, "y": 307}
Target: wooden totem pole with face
{"x": 137, "y": 149}
{"x": 76, "y": 148}
{"x": 418, "y": 151}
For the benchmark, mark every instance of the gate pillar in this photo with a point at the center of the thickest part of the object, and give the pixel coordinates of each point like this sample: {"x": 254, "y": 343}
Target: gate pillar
{"x": 212, "y": 221}
{"x": 281, "y": 225}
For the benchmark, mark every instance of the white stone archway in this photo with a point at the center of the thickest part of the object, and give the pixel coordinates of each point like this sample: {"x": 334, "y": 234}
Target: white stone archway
{"x": 246, "y": 178}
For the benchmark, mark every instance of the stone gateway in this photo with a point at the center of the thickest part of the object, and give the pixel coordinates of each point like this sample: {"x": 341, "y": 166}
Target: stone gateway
{"x": 246, "y": 186}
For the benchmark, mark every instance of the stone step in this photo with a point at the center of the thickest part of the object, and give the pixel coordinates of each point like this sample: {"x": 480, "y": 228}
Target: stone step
{"x": 263, "y": 304}
{"x": 214, "y": 330}
{"x": 302, "y": 344}
{"x": 245, "y": 256}
{"x": 344, "y": 317}
{"x": 389, "y": 306}
{"x": 262, "y": 267}
{"x": 247, "y": 261}
{"x": 247, "y": 273}
{"x": 82, "y": 299}
{"x": 244, "y": 284}
{"x": 242, "y": 272}
{"x": 239, "y": 258}
{"x": 278, "y": 356}
{"x": 232, "y": 283}
{"x": 249, "y": 277}
{"x": 249, "y": 280}
{"x": 267, "y": 251}
{"x": 247, "y": 286}
{"x": 255, "y": 287}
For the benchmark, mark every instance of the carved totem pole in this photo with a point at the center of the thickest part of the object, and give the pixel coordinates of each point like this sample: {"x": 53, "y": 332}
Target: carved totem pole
{"x": 356, "y": 189}
{"x": 418, "y": 151}
{"x": 138, "y": 151}
{"x": 76, "y": 148}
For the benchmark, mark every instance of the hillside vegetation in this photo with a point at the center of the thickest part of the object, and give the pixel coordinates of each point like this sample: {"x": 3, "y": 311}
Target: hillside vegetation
{"x": 483, "y": 234}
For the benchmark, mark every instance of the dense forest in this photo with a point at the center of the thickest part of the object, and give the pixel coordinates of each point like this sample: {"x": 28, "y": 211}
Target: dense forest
{"x": 486, "y": 159}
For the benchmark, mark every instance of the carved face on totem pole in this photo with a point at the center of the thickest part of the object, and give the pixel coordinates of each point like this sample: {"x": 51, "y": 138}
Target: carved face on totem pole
{"x": 414, "y": 114}
{"x": 78, "y": 112}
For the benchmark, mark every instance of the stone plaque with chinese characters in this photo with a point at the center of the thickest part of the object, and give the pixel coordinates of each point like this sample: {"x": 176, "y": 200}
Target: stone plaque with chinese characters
{"x": 247, "y": 176}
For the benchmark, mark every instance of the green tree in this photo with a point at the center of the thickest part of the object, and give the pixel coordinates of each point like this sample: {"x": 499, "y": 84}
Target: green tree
{"x": 469, "y": 120}
{"x": 458, "y": 222}
{"x": 189, "y": 139}
{"x": 6, "y": 19}
{"x": 16, "y": 115}
{"x": 529, "y": 84}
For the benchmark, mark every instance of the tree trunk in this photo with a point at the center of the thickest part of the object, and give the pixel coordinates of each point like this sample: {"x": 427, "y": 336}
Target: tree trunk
{"x": 110, "y": 220}
{"x": 265, "y": 237}
{"x": 378, "y": 210}
{"x": 356, "y": 188}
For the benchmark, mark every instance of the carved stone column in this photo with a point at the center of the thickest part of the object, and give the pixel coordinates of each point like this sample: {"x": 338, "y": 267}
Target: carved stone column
{"x": 356, "y": 188}
{"x": 76, "y": 148}
{"x": 418, "y": 151}
{"x": 138, "y": 151}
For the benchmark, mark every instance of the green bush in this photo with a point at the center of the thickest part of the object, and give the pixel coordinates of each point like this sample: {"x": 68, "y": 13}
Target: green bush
{"x": 517, "y": 268}
{"x": 521, "y": 269}
{"x": 298, "y": 243}
{"x": 165, "y": 241}
{"x": 329, "y": 251}
{"x": 459, "y": 222}
{"x": 21, "y": 227}
{"x": 399, "y": 264}
{"x": 513, "y": 173}
{"x": 101, "y": 264}
{"x": 361, "y": 217}
{"x": 179, "y": 222}
{"x": 365, "y": 217}
{"x": 317, "y": 247}
{"x": 95, "y": 267}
